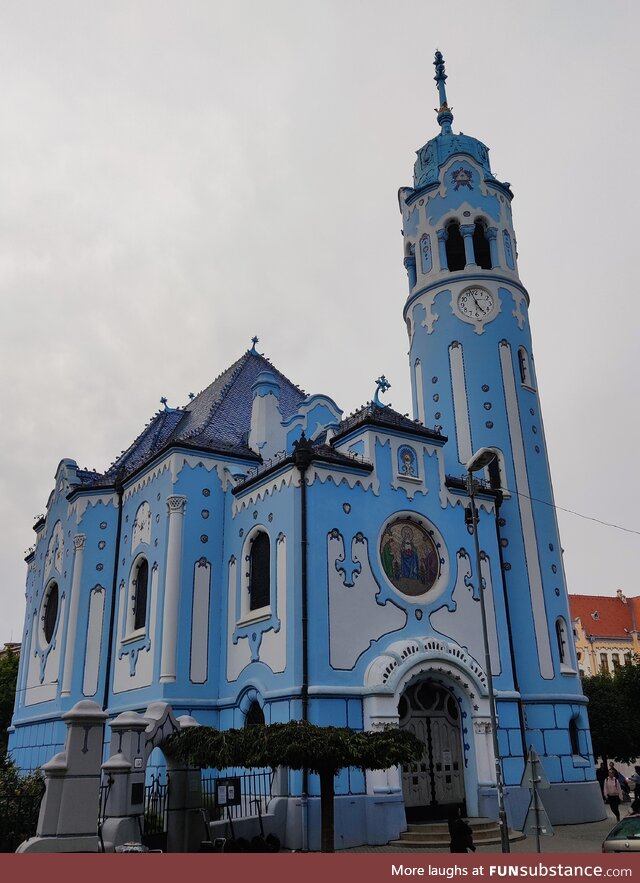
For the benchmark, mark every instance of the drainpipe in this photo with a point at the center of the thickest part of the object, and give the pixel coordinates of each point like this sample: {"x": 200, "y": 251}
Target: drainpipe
{"x": 302, "y": 454}
{"x": 523, "y": 736}
{"x": 114, "y": 589}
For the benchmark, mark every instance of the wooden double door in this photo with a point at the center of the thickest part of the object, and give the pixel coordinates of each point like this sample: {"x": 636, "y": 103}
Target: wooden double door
{"x": 435, "y": 784}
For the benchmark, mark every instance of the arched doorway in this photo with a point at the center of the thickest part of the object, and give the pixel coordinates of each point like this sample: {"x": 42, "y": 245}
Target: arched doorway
{"x": 435, "y": 784}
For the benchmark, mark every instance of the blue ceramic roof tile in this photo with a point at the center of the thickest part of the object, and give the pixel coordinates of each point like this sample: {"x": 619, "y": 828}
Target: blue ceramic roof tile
{"x": 218, "y": 418}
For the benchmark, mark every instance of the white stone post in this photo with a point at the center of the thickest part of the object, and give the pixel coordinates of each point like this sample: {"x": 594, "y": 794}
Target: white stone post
{"x": 68, "y": 820}
{"x": 485, "y": 758}
{"x": 72, "y": 625}
{"x": 168, "y": 667}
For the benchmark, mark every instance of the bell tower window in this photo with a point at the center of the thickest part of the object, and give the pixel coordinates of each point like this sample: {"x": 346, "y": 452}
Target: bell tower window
{"x": 455, "y": 248}
{"x": 481, "y": 248}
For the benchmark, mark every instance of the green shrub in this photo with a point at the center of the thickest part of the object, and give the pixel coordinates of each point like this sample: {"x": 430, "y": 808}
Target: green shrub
{"x": 20, "y": 798}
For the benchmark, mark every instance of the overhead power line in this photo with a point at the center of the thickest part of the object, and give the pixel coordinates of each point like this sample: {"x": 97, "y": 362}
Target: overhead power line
{"x": 580, "y": 515}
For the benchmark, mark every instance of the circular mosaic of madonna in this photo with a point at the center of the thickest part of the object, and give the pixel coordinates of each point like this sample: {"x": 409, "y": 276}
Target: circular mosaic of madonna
{"x": 409, "y": 557}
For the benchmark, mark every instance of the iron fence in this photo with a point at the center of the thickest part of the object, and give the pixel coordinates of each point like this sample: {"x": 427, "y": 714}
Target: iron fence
{"x": 255, "y": 792}
{"x": 156, "y": 805}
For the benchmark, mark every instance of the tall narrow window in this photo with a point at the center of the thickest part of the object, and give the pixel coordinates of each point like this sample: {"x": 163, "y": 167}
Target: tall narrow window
{"x": 481, "y": 248}
{"x": 259, "y": 575}
{"x": 140, "y": 595}
{"x": 455, "y": 248}
{"x": 604, "y": 662}
{"x": 573, "y": 736}
{"x": 561, "y": 637}
{"x": 50, "y": 614}
{"x": 525, "y": 369}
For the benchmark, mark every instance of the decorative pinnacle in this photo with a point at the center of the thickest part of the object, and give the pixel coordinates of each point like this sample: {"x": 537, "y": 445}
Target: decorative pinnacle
{"x": 254, "y": 351}
{"x": 163, "y": 401}
{"x": 445, "y": 117}
{"x": 382, "y": 385}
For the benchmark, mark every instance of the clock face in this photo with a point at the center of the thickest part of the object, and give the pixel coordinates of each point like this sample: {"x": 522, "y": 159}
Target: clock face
{"x": 476, "y": 303}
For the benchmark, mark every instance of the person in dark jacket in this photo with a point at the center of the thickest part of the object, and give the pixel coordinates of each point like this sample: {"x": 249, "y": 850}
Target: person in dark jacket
{"x": 460, "y": 832}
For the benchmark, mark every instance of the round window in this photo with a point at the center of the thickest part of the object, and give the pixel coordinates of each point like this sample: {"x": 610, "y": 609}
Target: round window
{"x": 409, "y": 557}
{"x": 50, "y": 614}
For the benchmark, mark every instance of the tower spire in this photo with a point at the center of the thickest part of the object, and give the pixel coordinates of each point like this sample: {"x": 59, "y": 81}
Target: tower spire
{"x": 445, "y": 117}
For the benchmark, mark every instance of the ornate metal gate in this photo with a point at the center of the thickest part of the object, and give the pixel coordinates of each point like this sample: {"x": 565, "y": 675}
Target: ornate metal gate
{"x": 436, "y": 782}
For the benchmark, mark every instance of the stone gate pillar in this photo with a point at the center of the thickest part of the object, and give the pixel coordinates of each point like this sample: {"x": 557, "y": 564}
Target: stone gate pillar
{"x": 68, "y": 820}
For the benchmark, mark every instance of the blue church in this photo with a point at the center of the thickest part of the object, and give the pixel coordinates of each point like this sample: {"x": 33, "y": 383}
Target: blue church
{"x": 258, "y": 555}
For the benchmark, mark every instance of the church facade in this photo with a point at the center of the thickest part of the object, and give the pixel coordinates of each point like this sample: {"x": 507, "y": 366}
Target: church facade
{"x": 256, "y": 554}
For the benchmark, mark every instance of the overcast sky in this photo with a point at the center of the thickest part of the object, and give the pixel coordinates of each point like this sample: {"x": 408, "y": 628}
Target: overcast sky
{"x": 178, "y": 176}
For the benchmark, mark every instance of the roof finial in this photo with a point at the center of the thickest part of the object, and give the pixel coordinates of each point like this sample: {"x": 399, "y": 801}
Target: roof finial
{"x": 253, "y": 350}
{"x": 382, "y": 385}
{"x": 445, "y": 117}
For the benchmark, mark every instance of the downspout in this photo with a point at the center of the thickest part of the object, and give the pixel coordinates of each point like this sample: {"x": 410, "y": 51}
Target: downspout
{"x": 523, "y": 737}
{"x": 114, "y": 589}
{"x": 302, "y": 454}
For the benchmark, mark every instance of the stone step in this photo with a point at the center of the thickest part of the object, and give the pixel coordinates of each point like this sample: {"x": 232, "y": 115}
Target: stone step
{"x": 479, "y": 824}
{"x": 435, "y": 835}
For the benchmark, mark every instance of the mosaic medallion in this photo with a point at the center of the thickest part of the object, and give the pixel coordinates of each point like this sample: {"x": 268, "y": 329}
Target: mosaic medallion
{"x": 409, "y": 557}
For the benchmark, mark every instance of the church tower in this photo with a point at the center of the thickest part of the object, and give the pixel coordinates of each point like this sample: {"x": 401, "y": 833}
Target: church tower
{"x": 473, "y": 377}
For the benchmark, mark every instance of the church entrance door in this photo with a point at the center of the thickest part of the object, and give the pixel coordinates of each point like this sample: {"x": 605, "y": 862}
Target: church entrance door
{"x": 436, "y": 783}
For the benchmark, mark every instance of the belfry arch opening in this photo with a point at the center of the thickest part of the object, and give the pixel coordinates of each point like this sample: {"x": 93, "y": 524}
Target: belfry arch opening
{"x": 434, "y": 786}
{"x": 454, "y": 247}
{"x": 481, "y": 248}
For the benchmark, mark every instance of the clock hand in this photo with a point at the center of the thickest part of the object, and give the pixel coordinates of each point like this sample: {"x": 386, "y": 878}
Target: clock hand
{"x": 477, "y": 304}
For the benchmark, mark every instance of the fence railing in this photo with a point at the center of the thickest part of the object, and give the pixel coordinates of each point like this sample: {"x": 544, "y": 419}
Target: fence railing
{"x": 156, "y": 804}
{"x": 255, "y": 791}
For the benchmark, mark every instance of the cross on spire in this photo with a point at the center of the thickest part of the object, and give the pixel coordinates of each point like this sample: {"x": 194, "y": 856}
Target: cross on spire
{"x": 445, "y": 117}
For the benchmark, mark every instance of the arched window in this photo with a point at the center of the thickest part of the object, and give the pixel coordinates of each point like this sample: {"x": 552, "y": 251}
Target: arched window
{"x": 454, "y": 246}
{"x": 561, "y": 637}
{"x": 259, "y": 572}
{"x": 573, "y": 736}
{"x": 255, "y": 715}
{"x": 141, "y": 585}
{"x": 481, "y": 246}
{"x": 50, "y": 614}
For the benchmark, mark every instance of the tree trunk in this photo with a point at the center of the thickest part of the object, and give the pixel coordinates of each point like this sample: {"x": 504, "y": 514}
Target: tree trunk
{"x": 326, "y": 811}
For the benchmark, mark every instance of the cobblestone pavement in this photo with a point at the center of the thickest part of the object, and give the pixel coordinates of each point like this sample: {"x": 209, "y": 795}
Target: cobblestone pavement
{"x": 567, "y": 838}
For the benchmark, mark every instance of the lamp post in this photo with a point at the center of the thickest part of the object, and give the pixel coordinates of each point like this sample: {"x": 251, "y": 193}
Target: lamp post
{"x": 478, "y": 461}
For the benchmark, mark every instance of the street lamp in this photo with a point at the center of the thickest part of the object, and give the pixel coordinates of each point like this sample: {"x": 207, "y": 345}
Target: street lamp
{"x": 478, "y": 461}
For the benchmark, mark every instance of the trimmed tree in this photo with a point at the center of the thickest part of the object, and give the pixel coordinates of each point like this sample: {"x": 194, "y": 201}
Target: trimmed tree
{"x": 8, "y": 679}
{"x": 298, "y": 745}
{"x": 614, "y": 700}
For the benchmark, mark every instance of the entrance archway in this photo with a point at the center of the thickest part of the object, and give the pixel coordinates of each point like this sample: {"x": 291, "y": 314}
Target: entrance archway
{"x": 435, "y": 784}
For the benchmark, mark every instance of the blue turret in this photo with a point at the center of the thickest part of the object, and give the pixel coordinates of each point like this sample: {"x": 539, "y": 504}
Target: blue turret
{"x": 473, "y": 378}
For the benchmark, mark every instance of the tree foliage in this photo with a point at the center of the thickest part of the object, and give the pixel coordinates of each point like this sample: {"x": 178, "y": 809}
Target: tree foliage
{"x": 298, "y": 745}
{"x": 8, "y": 679}
{"x": 614, "y": 712}
{"x": 20, "y": 798}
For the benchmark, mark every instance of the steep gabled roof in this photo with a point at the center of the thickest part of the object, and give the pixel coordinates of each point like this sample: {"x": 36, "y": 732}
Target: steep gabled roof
{"x": 605, "y": 617}
{"x": 217, "y": 419}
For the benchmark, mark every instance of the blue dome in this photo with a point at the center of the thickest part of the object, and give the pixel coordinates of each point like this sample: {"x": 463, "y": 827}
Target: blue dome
{"x": 439, "y": 149}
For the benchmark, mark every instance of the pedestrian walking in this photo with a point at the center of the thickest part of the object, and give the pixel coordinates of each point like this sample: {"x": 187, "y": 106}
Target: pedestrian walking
{"x": 612, "y": 793}
{"x": 460, "y": 833}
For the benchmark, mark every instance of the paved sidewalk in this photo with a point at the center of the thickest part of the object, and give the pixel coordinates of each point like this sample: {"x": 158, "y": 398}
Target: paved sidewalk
{"x": 584, "y": 838}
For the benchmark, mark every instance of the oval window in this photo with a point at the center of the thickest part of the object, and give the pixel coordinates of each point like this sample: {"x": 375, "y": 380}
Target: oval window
{"x": 50, "y": 612}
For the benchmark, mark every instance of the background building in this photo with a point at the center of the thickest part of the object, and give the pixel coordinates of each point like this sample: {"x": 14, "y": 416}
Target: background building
{"x": 255, "y": 555}
{"x": 605, "y": 630}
